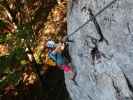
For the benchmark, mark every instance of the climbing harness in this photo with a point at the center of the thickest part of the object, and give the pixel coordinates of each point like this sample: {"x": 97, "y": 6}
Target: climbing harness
{"x": 108, "y": 5}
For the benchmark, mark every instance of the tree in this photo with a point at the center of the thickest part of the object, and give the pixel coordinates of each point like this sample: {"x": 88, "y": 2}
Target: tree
{"x": 22, "y": 26}
{"x": 104, "y": 70}
{"x": 15, "y": 36}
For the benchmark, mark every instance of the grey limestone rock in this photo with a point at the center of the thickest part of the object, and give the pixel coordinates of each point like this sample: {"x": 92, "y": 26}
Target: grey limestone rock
{"x": 109, "y": 75}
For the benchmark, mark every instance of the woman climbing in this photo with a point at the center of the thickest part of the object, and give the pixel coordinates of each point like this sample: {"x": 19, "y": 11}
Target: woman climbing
{"x": 55, "y": 53}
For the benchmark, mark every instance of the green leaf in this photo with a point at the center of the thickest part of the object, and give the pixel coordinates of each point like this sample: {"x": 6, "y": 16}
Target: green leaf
{"x": 3, "y": 83}
{"x": 3, "y": 38}
{"x": 23, "y": 62}
{"x": 14, "y": 78}
{"x": 17, "y": 54}
{"x": 2, "y": 24}
{"x": 3, "y": 63}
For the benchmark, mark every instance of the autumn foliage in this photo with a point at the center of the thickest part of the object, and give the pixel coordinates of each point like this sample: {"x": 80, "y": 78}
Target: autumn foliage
{"x": 26, "y": 24}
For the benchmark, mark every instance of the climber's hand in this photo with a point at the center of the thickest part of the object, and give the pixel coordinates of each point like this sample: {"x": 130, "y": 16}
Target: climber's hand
{"x": 62, "y": 46}
{"x": 64, "y": 39}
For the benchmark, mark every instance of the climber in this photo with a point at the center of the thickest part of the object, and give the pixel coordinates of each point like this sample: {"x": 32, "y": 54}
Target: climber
{"x": 55, "y": 53}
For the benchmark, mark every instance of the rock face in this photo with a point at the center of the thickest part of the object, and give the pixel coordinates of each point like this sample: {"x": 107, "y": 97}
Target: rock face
{"x": 104, "y": 71}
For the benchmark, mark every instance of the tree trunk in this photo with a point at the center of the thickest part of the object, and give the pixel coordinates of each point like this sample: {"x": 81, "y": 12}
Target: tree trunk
{"x": 103, "y": 63}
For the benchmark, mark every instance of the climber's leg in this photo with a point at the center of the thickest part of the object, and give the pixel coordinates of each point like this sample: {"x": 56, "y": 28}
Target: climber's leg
{"x": 69, "y": 72}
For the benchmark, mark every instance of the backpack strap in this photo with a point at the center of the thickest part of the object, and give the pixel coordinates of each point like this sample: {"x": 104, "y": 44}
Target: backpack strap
{"x": 53, "y": 56}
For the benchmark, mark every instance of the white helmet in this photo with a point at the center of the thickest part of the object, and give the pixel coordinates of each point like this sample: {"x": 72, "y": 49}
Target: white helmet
{"x": 51, "y": 44}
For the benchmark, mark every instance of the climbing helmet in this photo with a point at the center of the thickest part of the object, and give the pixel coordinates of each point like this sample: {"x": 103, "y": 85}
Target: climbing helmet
{"x": 51, "y": 44}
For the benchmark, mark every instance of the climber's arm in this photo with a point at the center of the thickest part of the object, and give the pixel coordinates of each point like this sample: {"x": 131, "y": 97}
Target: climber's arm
{"x": 60, "y": 47}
